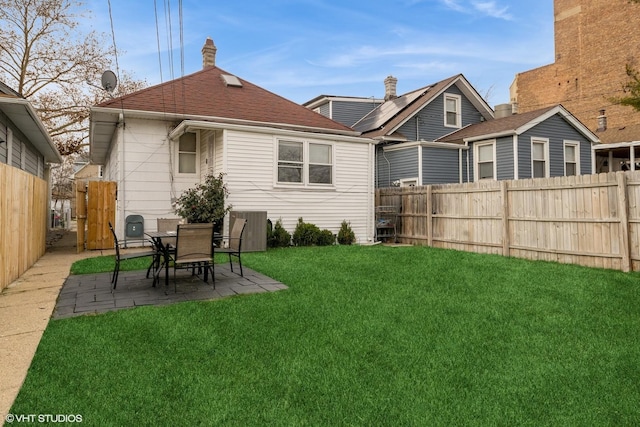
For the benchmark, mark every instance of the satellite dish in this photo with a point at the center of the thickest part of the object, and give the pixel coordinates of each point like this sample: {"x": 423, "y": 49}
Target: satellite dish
{"x": 109, "y": 81}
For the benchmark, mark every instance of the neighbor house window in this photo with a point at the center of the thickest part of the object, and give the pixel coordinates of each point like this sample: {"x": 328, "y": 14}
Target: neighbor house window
{"x": 539, "y": 158}
{"x": 305, "y": 162}
{"x": 187, "y": 153}
{"x": 452, "y": 111}
{"x": 485, "y": 155}
{"x": 571, "y": 158}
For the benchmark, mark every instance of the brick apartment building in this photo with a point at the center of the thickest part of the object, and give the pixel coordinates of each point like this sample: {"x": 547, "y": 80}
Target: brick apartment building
{"x": 594, "y": 41}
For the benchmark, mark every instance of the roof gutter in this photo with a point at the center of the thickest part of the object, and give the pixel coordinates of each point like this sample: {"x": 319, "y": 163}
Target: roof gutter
{"x": 193, "y": 125}
{"x": 47, "y": 147}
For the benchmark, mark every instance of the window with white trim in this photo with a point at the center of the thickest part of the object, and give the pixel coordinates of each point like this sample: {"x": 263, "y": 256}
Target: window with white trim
{"x": 290, "y": 161}
{"x": 539, "y": 158}
{"x": 485, "y": 160}
{"x": 320, "y": 164}
{"x": 452, "y": 110}
{"x": 571, "y": 158}
{"x": 304, "y": 163}
{"x": 188, "y": 154}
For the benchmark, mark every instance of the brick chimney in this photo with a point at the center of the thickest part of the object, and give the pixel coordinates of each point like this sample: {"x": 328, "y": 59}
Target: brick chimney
{"x": 209, "y": 53}
{"x": 602, "y": 121}
{"x": 390, "y": 88}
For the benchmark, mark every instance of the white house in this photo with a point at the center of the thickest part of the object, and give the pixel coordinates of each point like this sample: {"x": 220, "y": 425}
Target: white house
{"x": 277, "y": 156}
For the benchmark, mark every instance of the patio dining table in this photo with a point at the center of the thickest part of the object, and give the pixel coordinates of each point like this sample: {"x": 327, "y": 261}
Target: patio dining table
{"x": 164, "y": 252}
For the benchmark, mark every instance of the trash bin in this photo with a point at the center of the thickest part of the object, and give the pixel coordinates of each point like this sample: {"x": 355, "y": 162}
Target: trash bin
{"x": 134, "y": 227}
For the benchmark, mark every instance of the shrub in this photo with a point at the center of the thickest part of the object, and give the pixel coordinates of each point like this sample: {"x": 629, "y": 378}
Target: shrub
{"x": 204, "y": 202}
{"x": 305, "y": 234}
{"x": 278, "y": 237}
{"x": 346, "y": 236}
{"x": 326, "y": 238}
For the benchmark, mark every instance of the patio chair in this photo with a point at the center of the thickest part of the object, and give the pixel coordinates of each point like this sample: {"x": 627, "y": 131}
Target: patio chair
{"x": 169, "y": 224}
{"x": 123, "y": 257}
{"x": 235, "y": 243}
{"x": 194, "y": 249}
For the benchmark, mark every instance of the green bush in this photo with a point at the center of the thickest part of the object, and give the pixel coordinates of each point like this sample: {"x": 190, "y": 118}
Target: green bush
{"x": 346, "y": 236}
{"x": 278, "y": 237}
{"x": 205, "y": 202}
{"x": 305, "y": 234}
{"x": 326, "y": 238}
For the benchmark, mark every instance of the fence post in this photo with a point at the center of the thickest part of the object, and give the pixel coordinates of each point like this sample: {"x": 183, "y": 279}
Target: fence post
{"x": 623, "y": 208}
{"x": 506, "y": 238}
{"x": 429, "y": 216}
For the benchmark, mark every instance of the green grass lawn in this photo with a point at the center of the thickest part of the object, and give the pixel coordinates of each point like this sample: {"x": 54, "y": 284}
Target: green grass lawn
{"x": 363, "y": 336}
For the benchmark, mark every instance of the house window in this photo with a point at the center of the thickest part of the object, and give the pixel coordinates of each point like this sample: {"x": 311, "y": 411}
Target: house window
{"x": 187, "y": 153}
{"x": 452, "y": 113}
{"x": 485, "y": 155}
{"x": 571, "y": 158}
{"x": 320, "y": 165}
{"x": 290, "y": 161}
{"x": 305, "y": 163}
{"x": 539, "y": 158}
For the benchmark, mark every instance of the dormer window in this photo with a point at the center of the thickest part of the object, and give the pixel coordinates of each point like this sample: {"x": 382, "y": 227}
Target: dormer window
{"x": 452, "y": 110}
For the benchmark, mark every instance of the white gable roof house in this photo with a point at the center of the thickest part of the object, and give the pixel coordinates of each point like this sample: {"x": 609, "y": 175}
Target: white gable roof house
{"x": 162, "y": 140}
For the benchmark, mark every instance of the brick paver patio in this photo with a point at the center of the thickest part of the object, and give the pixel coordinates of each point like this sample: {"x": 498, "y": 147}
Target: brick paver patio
{"x": 91, "y": 293}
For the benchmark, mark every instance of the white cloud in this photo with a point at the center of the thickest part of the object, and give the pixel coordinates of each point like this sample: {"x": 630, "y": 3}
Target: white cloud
{"x": 454, "y": 5}
{"x": 490, "y": 8}
{"x": 487, "y": 7}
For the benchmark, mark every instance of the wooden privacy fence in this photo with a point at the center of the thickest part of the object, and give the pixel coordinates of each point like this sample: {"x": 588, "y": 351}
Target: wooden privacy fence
{"x": 23, "y": 222}
{"x": 95, "y": 207}
{"x": 590, "y": 220}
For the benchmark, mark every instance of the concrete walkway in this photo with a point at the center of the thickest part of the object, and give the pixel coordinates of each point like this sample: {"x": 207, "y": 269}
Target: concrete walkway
{"x": 46, "y": 290}
{"x": 25, "y": 308}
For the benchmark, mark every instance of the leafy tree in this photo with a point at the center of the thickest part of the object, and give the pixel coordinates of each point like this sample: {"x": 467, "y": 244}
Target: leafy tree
{"x": 48, "y": 60}
{"x": 631, "y": 87}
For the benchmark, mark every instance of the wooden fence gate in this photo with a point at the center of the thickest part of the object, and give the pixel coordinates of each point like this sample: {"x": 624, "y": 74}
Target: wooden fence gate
{"x": 96, "y": 207}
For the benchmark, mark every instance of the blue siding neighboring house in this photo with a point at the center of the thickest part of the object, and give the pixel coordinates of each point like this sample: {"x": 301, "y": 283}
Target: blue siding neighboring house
{"x": 345, "y": 110}
{"x": 447, "y": 133}
{"x": 544, "y": 143}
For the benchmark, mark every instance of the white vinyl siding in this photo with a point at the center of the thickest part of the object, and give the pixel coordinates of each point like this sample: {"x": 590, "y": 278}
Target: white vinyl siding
{"x": 252, "y": 184}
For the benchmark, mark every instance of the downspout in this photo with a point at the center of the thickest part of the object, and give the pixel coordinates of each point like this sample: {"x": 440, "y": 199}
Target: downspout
{"x": 460, "y": 165}
{"x": 384, "y": 156}
{"x": 372, "y": 193}
{"x": 516, "y": 164}
{"x": 419, "y": 164}
{"x": 121, "y": 171}
{"x": 466, "y": 143}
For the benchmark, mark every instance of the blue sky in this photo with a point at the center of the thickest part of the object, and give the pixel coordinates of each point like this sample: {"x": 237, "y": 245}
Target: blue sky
{"x": 305, "y": 48}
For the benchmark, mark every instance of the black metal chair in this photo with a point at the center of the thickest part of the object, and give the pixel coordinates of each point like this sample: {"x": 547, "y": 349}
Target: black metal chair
{"x": 122, "y": 257}
{"x": 194, "y": 249}
{"x": 235, "y": 243}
